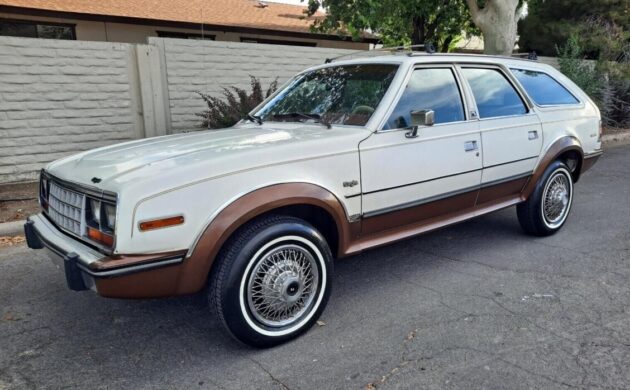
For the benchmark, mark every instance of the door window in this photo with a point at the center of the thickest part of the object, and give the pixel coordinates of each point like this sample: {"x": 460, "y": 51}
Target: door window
{"x": 429, "y": 89}
{"x": 543, "y": 89}
{"x": 494, "y": 94}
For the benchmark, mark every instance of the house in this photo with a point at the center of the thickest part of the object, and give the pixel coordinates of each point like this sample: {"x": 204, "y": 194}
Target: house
{"x": 132, "y": 21}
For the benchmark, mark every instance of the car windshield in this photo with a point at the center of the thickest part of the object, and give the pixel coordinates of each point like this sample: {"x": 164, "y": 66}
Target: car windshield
{"x": 344, "y": 95}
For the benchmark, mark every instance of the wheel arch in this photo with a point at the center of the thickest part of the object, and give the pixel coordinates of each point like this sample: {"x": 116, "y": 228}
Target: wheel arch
{"x": 313, "y": 203}
{"x": 568, "y": 149}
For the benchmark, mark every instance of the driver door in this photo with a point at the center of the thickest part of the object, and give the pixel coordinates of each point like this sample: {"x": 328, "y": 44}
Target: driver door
{"x": 406, "y": 181}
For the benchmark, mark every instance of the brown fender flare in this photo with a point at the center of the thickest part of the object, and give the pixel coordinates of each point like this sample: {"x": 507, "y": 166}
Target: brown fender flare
{"x": 560, "y": 146}
{"x": 197, "y": 266}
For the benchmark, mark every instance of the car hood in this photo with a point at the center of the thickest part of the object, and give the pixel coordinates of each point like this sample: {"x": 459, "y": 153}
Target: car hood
{"x": 219, "y": 151}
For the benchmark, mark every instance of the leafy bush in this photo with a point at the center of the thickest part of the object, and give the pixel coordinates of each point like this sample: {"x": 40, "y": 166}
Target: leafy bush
{"x": 237, "y": 104}
{"x": 606, "y": 81}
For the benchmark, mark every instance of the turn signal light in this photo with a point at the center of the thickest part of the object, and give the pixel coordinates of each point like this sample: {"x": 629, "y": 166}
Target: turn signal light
{"x": 161, "y": 223}
{"x": 99, "y": 236}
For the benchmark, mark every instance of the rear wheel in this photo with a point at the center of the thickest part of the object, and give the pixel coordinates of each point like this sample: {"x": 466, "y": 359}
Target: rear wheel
{"x": 272, "y": 280}
{"x": 548, "y": 207}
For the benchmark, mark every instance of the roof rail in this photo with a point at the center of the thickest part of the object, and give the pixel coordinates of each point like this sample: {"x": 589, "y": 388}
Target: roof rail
{"x": 427, "y": 48}
{"x": 532, "y": 56}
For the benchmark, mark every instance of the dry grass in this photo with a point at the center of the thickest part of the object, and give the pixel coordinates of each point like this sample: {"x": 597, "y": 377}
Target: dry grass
{"x": 6, "y": 241}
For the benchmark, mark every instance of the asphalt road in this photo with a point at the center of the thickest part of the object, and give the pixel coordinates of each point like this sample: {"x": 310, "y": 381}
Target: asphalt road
{"x": 477, "y": 305}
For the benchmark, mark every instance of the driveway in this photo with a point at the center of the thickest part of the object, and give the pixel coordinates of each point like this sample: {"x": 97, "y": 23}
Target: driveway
{"x": 477, "y": 305}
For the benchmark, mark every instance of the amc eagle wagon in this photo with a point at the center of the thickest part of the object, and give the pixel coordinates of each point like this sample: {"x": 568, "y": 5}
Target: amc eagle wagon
{"x": 346, "y": 156}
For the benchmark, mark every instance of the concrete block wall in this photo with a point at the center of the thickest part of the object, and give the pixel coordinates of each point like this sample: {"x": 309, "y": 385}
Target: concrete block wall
{"x": 58, "y": 98}
{"x": 208, "y": 66}
{"x": 62, "y": 97}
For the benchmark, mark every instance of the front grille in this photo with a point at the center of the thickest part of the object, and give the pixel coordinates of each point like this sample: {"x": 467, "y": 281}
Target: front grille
{"x": 65, "y": 208}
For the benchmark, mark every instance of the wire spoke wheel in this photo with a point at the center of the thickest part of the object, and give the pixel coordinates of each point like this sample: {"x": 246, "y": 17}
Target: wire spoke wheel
{"x": 282, "y": 285}
{"x": 556, "y": 199}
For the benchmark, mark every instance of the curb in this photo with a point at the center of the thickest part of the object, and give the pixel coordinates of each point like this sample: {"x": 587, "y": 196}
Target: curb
{"x": 12, "y": 228}
{"x": 616, "y": 139}
{"x": 17, "y": 227}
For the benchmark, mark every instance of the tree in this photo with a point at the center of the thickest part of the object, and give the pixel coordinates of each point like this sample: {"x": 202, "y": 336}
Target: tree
{"x": 603, "y": 26}
{"x": 498, "y": 20}
{"x": 398, "y": 22}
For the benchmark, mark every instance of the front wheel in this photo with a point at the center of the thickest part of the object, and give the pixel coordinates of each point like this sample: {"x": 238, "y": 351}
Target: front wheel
{"x": 272, "y": 280}
{"x": 548, "y": 207}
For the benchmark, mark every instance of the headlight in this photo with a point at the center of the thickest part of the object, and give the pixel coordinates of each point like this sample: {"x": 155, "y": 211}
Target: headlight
{"x": 110, "y": 216}
{"x": 101, "y": 220}
{"x": 94, "y": 214}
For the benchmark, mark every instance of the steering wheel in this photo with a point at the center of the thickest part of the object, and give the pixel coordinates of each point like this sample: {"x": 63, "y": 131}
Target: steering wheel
{"x": 362, "y": 110}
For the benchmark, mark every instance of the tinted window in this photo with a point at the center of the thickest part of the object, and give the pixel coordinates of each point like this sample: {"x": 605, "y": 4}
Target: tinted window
{"x": 494, "y": 95}
{"x": 429, "y": 89}
{"x": 543, "y": 89}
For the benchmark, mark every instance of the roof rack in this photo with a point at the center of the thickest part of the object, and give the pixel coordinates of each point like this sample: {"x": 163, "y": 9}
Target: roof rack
{"x": 529, "y": 56}
{"x": 427, "y": 48}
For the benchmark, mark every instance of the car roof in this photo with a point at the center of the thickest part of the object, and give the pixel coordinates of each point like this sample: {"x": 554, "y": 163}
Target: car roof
{"x": 426, "y": 58}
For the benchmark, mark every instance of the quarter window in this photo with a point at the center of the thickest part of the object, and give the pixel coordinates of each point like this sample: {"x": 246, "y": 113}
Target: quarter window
{"x": 493, "y": 93}
{"x": 543, "y": 89}
{"x": 429, "y": 89}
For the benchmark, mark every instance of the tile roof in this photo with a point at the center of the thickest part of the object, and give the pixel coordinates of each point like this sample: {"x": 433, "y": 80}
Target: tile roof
{"x": 233, "y": 13}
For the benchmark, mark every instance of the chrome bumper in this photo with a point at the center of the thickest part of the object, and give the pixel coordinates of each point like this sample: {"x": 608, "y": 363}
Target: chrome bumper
{"x": 80, "y": 261}
{"x": 66, "y": 252}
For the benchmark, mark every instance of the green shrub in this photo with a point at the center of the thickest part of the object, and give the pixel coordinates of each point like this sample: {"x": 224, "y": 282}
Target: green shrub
{"x": 606, "y": 81}
{"x": 234, "y": 106}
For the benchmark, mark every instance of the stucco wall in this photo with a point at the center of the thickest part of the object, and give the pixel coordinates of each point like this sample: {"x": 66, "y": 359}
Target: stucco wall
{"x": 58, "y": 98}
{"x": 209, "y": 66}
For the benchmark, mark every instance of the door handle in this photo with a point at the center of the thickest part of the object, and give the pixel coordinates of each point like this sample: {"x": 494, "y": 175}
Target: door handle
{"x": 471, "y": 146}
{"x": 532, "y": 135}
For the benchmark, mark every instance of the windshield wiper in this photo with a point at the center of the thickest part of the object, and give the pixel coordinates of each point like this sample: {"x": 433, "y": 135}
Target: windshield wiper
{"x": 255, "y": 118}
{"x": 314, "y": 117}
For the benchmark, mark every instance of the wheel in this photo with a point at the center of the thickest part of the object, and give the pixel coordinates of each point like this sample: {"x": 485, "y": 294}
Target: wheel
{"x": 272, "y": 280}
{"x": 548, "y": 207}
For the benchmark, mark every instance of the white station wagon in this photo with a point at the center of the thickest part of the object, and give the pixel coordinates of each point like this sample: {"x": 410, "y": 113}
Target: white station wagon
{"x": 346, "y": 156}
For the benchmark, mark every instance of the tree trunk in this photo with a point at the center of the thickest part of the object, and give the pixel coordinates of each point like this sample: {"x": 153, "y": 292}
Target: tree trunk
{"x": 497, "y": 20}
{"x": 418, "y": 36}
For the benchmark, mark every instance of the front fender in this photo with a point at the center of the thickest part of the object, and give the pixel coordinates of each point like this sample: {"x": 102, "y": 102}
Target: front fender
{"x": 201, "y": 257}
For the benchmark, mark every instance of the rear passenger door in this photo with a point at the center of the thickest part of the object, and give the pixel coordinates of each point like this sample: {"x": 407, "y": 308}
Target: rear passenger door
{"x": 511, "y": 133}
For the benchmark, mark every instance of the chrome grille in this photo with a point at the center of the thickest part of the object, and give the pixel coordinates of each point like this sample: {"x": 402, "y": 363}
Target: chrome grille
{"x": 65, "y": 208}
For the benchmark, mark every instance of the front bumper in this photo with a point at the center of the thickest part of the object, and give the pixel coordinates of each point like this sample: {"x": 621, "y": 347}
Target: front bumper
{"x": 136, "y": 276}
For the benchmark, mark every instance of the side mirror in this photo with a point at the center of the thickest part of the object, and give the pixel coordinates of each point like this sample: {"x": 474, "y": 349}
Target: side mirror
{"x": 420, "y": 118}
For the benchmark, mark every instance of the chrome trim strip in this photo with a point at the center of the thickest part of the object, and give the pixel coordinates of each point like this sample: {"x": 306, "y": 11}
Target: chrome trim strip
{"x": 510, "y": 162}
{"x": 419, "y": 202}
{"x": 505, "y": 179}
{"x": 444, "y": 196}
{"x": 420, "y": 182}
{"x": 133, "y": 268}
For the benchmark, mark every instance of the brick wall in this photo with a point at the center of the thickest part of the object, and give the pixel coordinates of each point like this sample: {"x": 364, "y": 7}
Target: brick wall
{"x": 207, "y": 66}
{"x": 58, "y": 98}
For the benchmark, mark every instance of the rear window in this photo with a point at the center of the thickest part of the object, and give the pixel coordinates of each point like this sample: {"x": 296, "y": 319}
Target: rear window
{"x": 543, "y": 89}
